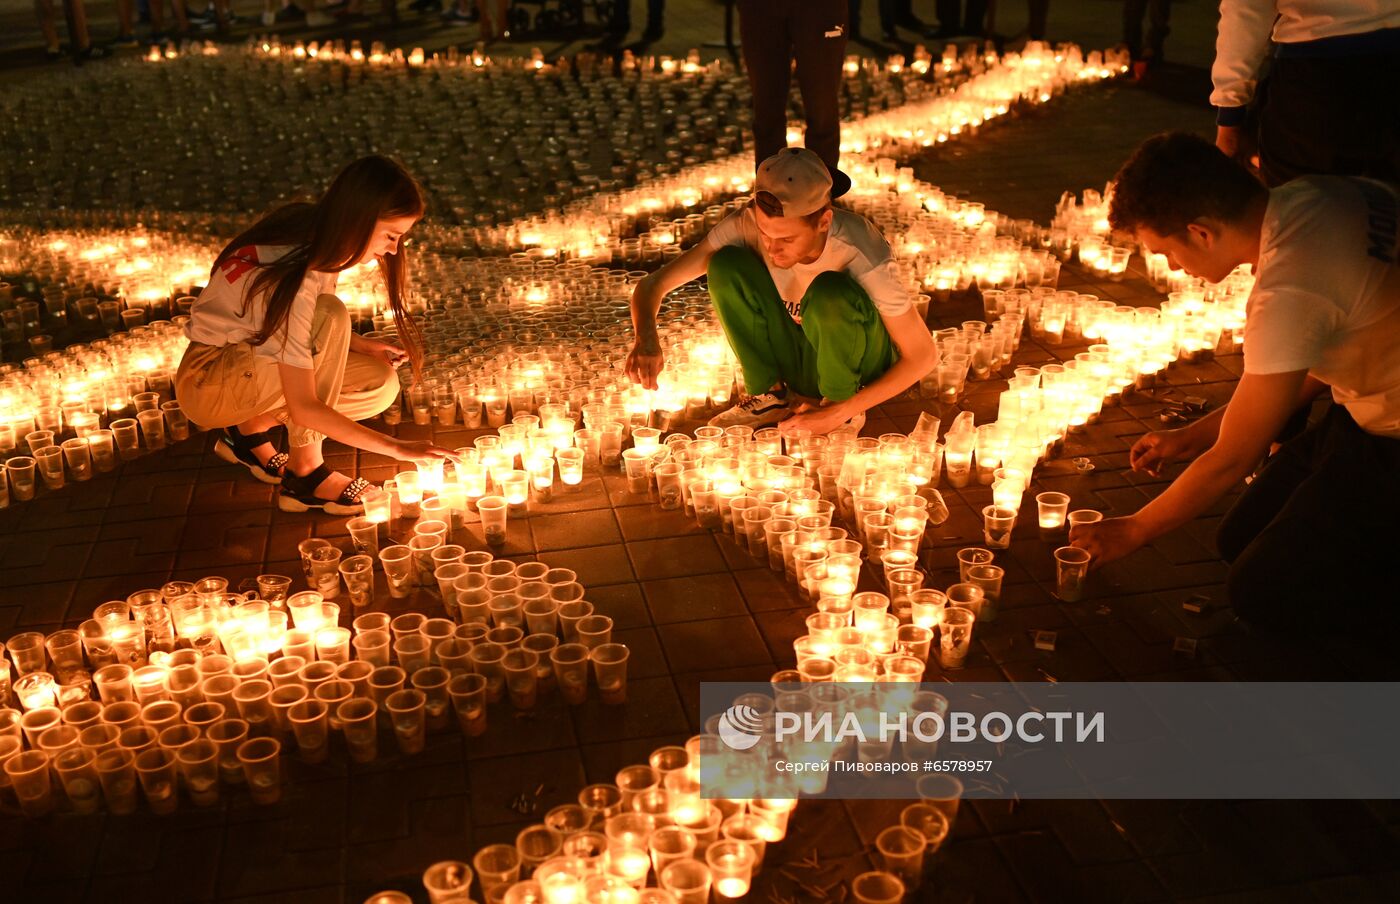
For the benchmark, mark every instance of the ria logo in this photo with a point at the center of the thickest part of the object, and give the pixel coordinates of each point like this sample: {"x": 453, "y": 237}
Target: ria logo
{"x": 740, "y": 727}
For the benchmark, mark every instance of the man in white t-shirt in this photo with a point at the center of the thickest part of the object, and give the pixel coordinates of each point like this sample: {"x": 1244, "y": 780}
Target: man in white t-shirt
{"x": 809, "y": 299}
{"x": 1310, "y": 541}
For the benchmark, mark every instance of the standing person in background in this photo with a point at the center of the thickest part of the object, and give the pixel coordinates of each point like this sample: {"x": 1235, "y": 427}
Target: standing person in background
{"x": 894, "y": 14}
{"x": 812, "y": 32}
{"x": 1159, "y": 13}
{"x": 1331, "y": 103}
{"x": 622, "y": 22}
{"x": 494, "y": 26}
{"x": 1038, "y": 12}
{"x": 82, "y": 43}
{"x": 182, "y": 19}
{"x": 954, "y": 21}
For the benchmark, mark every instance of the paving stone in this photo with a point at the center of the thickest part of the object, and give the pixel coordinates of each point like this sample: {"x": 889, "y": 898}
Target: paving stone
{"x": 675, "y": 557}
{"x": 570, "y": 531}
{"x": 652, "y": 709}
{"x": 693, "y": 598}
{"x": 623, "y": 603}
{"x": 692, "y": 646}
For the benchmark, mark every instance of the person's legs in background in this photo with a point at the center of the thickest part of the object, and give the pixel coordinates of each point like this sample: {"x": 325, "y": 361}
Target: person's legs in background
{"x": 656, "y": 21}
{"x": 1159, "y": 17}
{"x": 889, "y": 19}
{"x": 764, "y": 33}
{"x": 819, "y": 44}
{"x": 1039, "y": 15}
{"x": 949, "y": 14}
{"x": 126, "y": 23}
{"x": 44, "y": 12}
{"x": 974, "y": 17}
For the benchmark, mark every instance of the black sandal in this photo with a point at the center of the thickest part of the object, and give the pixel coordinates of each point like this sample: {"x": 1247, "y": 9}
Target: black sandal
{"x": 237, "y": 449}
{"x": 299, "y": 494}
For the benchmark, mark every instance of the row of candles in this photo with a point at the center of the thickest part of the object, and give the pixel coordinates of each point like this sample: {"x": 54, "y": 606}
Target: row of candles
{"x": 660, "y": 833}
{"x": 544, "y": 133}
{"x": 194, "y": 680}
{"x": 168, "y": 614}
{"x": 74, "y": 390}
{"x": 1032, "y": 76}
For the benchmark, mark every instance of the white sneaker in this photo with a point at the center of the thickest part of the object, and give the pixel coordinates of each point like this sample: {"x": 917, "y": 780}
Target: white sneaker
{"x": 761, "y": 410}
{"x": 318, "y": 19}
{"x": 269, "y": 19}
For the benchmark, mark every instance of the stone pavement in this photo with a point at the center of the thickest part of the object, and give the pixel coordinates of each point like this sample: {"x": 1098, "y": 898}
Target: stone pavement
{"x": 694, "y": 607}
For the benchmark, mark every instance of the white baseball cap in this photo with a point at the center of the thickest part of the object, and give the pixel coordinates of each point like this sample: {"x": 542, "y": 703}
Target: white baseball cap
{"x": 800, "y": 181}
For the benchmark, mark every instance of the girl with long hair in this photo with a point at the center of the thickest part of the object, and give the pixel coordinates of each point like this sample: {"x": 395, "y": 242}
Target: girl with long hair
{"x": 272, "y": 346}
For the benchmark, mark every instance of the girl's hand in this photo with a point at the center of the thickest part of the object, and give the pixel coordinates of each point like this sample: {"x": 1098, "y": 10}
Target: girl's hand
{"x": 421, "y": 451}
{"x": 380, "y": 350}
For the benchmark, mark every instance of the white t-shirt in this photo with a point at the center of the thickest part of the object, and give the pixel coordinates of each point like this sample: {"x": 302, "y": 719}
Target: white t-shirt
{"x": 218, "y": 318}
{"x": 1326, "y": 296}
{"x": 853, "y": 246}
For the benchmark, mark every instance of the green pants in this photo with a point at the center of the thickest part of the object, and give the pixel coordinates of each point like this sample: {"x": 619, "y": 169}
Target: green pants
{"x": 841, "y": 344}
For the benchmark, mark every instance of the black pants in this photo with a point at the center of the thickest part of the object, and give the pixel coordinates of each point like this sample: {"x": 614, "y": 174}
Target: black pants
{"x": 953, "y": 20}
{"x": 812, "y": 32}
{"x": 1159, "y": 13}
{"x": 622, "y": 16}
{"x": 1314, "y": 541}
{"x": 1039, "y": 11}
{"x": 1337, "y": 116}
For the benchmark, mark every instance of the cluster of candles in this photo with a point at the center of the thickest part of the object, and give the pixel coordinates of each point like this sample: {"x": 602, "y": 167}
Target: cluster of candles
{"x": 191, "y": 685}
{"x": 992, "y": 86}
{"x": 535, "y": 136}
{"x": 696, "y": 821}
{"x": 89, "y": 404}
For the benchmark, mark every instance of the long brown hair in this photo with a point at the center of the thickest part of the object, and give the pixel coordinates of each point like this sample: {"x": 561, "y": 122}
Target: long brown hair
{"x": 330, "y": 235}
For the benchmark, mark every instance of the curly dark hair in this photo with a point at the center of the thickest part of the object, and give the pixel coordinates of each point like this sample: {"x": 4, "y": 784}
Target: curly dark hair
{"x": 1175, "y": 178}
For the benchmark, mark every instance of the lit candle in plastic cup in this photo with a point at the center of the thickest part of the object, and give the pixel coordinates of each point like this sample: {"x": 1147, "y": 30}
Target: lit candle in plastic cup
{"x": 1053, "y": 508}
{"x": 731, "y": 865}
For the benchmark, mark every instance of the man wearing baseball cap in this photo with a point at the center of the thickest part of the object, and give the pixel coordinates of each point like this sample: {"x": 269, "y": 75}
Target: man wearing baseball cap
{"x": 809, "y": 299}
